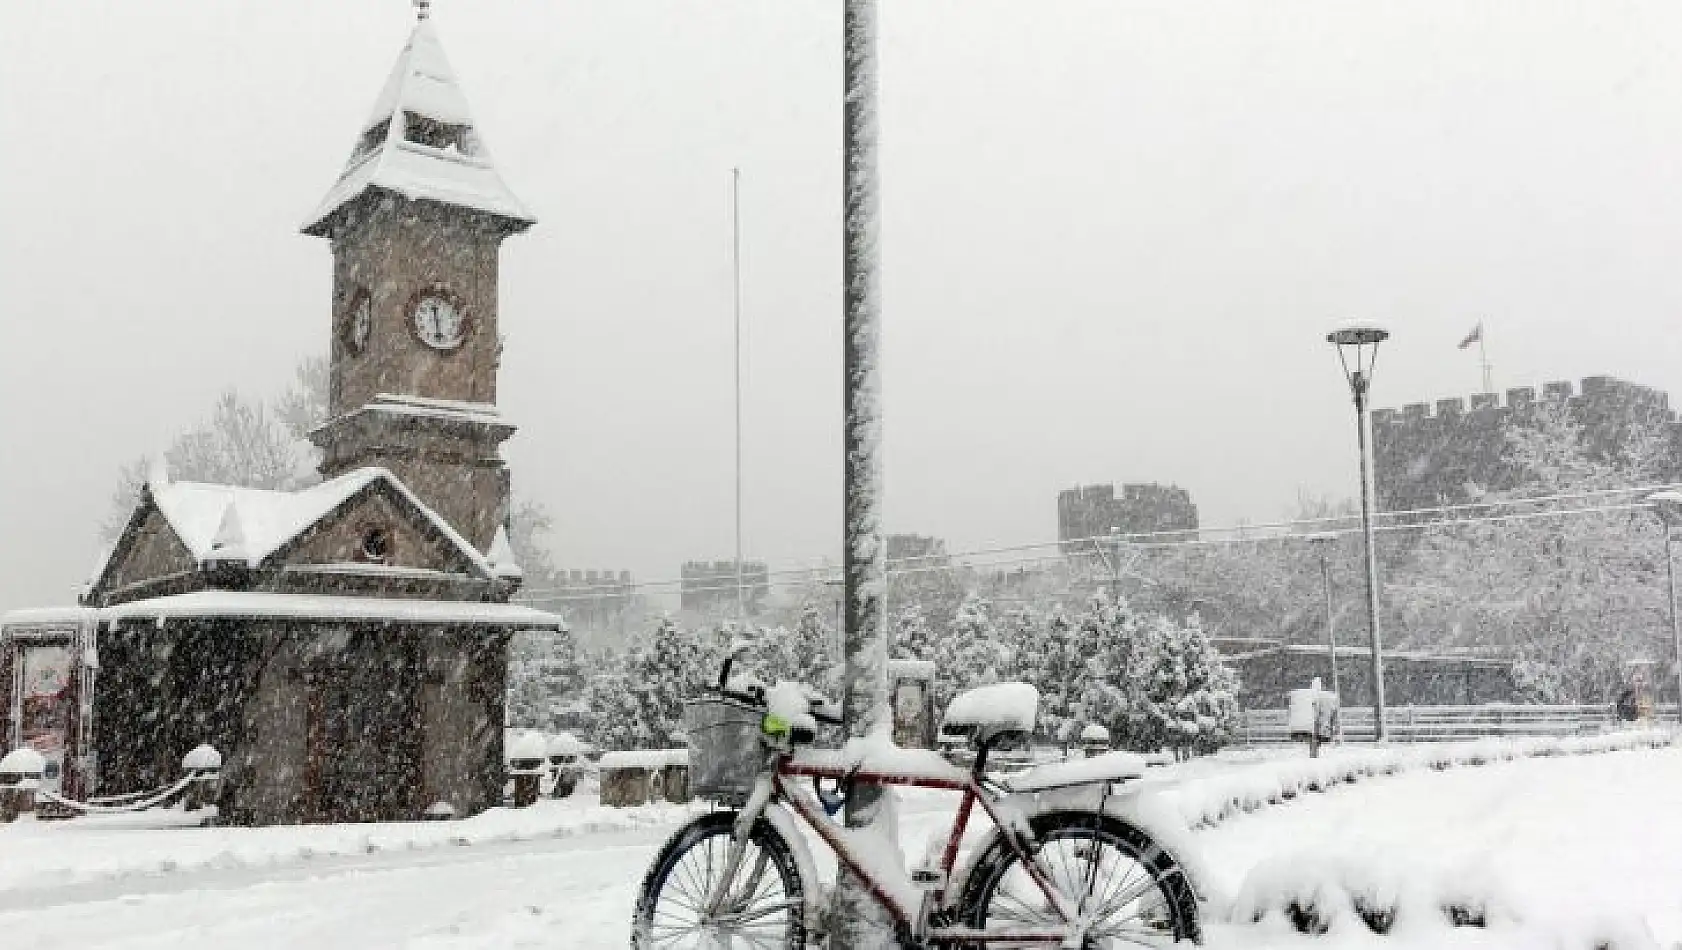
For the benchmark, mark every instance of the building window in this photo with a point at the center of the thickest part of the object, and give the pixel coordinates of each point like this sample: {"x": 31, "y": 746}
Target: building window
{"x": 376, "y": 545}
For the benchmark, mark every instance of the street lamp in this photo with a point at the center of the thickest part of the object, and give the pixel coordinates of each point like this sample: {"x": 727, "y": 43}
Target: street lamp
{"x": 1668, "y": 506}
{"x": 1357, "y": 349}
{"x": 1323, "y": 543}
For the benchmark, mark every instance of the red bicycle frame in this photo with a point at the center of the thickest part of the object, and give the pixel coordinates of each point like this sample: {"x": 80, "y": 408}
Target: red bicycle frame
{"x": 790, "y": 766}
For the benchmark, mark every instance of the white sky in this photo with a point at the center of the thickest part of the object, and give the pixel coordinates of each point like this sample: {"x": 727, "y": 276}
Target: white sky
{"x": 1115, "y": 232}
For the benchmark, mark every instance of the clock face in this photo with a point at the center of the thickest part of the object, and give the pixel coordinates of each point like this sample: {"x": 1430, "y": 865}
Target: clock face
{"x": 439, "y": 322}
{"x": 361, "y": 322}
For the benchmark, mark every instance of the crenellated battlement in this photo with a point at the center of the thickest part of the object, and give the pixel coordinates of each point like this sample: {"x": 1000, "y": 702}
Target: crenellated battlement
{"x": 1608, "y": 392}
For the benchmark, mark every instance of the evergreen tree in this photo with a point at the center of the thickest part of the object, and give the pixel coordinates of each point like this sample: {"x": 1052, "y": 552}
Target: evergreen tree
{"x": 1112, "y": 686}
{"x": 969, "y": 653}
{"x": 1190, "y": 701}
{"x": 1057, "y": 668}
{"x": 815, "y": 652}
{"x": 913, "y": 638}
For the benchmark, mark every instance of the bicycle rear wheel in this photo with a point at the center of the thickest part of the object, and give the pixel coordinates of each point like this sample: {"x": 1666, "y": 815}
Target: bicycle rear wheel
{"x": 765, "y": 906}
{"x": 1130, "y": 891}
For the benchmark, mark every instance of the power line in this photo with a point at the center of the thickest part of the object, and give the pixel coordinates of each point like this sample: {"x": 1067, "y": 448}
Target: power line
{"x": 820, "y": 575}
{"x": 1139, "y": 540}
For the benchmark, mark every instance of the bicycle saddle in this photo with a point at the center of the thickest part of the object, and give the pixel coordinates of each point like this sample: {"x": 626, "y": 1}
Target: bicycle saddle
{"x": 990, "y": 715}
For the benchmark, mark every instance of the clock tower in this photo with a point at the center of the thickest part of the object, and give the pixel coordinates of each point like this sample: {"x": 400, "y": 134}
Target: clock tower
{"x": 416, "y": 220}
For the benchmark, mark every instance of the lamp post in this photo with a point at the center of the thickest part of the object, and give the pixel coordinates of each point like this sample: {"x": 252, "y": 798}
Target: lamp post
{"x": 1357, "y": 350}
{"x": 1668, "y": 506}
{"x": 1322, "y": 544}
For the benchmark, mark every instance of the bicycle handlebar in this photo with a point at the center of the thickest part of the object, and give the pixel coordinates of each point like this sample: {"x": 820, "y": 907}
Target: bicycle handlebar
{"x": 819, "y": 707}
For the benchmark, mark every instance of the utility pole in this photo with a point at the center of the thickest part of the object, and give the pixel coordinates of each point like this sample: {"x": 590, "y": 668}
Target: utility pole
{"x": 859, "y": 922}
{"x": 1323, "y": 543}
{"x": 736, "y": 303}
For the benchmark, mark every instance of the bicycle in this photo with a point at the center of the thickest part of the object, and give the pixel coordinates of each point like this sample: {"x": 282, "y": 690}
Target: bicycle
{"x": 1060, "y": 867}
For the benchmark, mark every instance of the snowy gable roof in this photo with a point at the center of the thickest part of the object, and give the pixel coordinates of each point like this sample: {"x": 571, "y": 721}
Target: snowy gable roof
{"x": 224, "y": 522}
{"x": 420, "y": 141}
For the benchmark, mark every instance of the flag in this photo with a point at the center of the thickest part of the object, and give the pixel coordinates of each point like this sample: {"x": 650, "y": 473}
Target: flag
{"x": 1476, "y": 336}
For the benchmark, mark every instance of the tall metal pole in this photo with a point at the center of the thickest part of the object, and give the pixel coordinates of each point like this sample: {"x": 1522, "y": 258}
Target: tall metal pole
{"x": 1675, "y": 623}
{"x": 1483, "y": 358}
{"x": 1359, "y": 383}
{"x": 1331, "y": 616}
{"x": 736, "y": 301}
{"x": 860, "y": 923}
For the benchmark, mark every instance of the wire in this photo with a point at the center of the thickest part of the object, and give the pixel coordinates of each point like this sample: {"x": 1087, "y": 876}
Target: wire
{"x": 897, "y": 566}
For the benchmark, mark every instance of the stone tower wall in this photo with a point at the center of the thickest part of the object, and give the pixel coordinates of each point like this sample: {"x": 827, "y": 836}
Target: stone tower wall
{"x": 1427, "y": 455}
{"x": 397, "y": 251}
{"x": 1090, "y": 511}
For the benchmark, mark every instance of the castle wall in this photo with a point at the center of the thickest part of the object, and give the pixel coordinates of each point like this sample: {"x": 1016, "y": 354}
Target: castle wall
{"x": 1427, "y": 455}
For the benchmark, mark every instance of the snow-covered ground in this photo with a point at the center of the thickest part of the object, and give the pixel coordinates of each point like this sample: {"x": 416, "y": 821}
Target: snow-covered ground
{"x": 1559, "y": 852}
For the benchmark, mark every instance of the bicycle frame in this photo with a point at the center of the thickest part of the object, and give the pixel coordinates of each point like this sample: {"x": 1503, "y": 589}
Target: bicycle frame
{"x": 774, "y": 785}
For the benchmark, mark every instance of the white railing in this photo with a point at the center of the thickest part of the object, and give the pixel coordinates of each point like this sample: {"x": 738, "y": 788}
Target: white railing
{"x": 1448, "y": 723}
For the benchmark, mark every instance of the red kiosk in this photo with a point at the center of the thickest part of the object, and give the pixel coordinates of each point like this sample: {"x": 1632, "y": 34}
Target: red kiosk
{"x": 47, "y": 663}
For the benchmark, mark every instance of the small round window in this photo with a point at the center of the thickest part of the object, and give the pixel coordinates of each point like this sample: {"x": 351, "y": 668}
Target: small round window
{"x": 376, "y": 545}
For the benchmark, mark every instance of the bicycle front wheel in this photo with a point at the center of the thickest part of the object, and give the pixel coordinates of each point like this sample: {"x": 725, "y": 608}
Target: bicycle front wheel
{"x": 764, "y": 906}
{"x": 1127, "y": 890}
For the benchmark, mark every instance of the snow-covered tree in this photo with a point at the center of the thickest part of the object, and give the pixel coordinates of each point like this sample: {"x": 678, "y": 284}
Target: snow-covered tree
{"x": 969, "y": 653}
{"x": 913, "y": 639}
{"x": 1571, "y": 598}
{"x": 815, "y": 661}
{"x": 1057, "y": 667}
{"x": 1190, "y": 699}
{"x": 1112, "y": 683}
{"x": 637, "y": 703}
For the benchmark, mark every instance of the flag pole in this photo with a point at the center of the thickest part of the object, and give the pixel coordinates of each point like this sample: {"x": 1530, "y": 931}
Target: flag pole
{"x": 1483, "y": 357}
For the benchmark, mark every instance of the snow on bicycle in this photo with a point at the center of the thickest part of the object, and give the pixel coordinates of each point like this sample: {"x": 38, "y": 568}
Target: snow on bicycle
{"x": 1066, "y": 862}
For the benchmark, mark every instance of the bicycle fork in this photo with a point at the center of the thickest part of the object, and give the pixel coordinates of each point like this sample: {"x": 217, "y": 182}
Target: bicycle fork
{"x": 751, "y": 812}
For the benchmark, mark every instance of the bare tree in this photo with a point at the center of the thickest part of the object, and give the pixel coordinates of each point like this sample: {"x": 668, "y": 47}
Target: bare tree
{"x": 253, "y": 444}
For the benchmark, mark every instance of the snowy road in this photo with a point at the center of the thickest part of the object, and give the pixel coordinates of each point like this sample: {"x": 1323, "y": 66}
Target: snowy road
{"x": 571, "y": 893}
{"x": 1568, "y": 845}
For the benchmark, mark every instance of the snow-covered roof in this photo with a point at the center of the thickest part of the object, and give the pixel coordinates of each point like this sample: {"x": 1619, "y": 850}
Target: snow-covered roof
{"x": 46, "y": 616}
{"x": 501, "y": 556}
{"x": 461, "y": 173}
{"x": 226, "y": 522}
{"x": 228, "y": 603}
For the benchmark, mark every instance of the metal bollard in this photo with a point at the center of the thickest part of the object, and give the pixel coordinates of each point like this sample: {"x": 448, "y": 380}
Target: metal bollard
{"x": 1094, "y": 740}
{"x": 21, "y": 771}
{"x": 526, "y": 757}
{"x": 203, "y": 766}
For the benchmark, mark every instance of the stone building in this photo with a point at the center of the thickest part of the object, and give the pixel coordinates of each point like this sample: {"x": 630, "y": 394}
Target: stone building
{"x": 1427, "y": 455}
{"x": 345, "y": 646}
{"x": 1092, "y": 511}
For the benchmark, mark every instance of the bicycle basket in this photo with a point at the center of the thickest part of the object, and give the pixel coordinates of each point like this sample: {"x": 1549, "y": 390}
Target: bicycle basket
{"x": 724, "y": 749}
